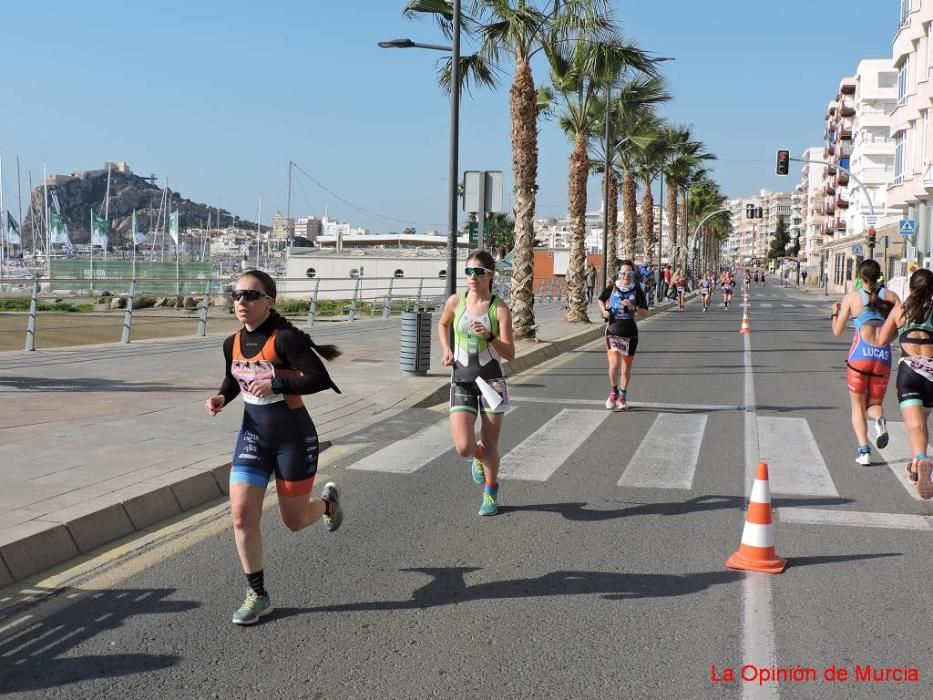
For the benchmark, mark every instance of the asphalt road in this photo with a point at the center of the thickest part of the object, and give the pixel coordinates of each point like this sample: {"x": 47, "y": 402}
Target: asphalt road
{"x": 581, "y": 587}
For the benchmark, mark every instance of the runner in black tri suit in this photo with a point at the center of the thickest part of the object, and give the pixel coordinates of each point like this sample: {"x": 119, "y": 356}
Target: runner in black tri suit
{"x": 620, "y": 305}
{"x": 271, "y": 364}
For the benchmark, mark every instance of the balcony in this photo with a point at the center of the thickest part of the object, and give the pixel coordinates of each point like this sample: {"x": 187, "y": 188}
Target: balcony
{"x": 829, "y": 151}
{"x": 842, "y": 203}
{"x": 829, "y": 171}
{"x": 842, "y": 179}
{"x": 840, "y": 224}
{"x": 829, "y": 208}
{"x": 847, "y": 87}
{"x": 832, "y": 111}
{"x": 829, "y": 190}
{"x": 847, "y": 112}
{"x": 845, "y": 134}
{"x": 828, "y": 230}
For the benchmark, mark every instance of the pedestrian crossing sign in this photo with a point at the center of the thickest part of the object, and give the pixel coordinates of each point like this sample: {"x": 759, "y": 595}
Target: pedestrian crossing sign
{"x": 908, "y": 227}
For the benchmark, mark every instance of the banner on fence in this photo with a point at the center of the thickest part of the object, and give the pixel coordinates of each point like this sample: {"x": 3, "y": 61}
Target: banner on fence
{"x": 192, "y": 277}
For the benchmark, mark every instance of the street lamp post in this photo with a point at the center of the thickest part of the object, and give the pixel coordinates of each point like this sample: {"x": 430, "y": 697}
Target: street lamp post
{"x": 454, "y": 166}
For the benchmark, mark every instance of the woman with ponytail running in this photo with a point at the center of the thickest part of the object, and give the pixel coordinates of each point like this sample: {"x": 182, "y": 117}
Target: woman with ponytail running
{"x": 914, "y": 318}
{"x": 481, "y": 326}
{"x": 869, "y": 361}
{"x": 271, "y": 364}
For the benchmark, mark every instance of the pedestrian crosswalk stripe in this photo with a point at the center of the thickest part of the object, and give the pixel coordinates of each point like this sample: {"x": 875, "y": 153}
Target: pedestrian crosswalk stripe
{"x": 409, "y": 454}
{"x": 795, "y": 463}
{"x": 852, "y": 518}
{"x": 541, "y": 454}
{"x": 897, "y": 454}
{"x": 632, "y": 404}
{"x": 809, "y": 306}
{"x": 787, "y": 306}
{"x": 668, "y": 454}
{"x": 766, "y": 306}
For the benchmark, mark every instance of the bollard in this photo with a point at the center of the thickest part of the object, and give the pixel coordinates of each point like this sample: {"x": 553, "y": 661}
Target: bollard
{"x": 415, "y": 343}
{"x": 418, "y": 295}
{"x": 31, "y": 323}
{"x": 202, "y": 321}
{"x": 356, "y": 291}
{"x": 128, "y": 314}
{"x": 387, "y": 300}
{"x": 312, "y": 307}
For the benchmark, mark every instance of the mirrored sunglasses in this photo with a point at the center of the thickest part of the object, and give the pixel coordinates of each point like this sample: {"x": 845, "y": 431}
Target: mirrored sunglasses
{"x": 476, "y": 271}
{"x": 248, "y": 295}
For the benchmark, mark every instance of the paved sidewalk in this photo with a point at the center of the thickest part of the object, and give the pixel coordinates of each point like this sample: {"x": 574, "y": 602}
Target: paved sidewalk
{"x": 101, "y": 441}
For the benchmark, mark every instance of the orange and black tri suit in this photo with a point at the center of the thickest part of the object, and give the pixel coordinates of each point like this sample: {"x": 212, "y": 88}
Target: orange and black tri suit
{"x": 277, "y": 435}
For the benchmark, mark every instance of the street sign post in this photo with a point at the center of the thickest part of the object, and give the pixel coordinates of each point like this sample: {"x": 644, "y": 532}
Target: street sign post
{"x": 857, "y": 250}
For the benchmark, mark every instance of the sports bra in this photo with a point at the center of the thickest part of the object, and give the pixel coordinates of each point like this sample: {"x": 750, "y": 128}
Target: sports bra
{"x": 926, "y": 325}
{"x": 868, "y": 314}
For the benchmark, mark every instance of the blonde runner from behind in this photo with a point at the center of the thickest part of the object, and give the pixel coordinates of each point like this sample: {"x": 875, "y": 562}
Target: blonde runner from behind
{"x": 482, "y": 333}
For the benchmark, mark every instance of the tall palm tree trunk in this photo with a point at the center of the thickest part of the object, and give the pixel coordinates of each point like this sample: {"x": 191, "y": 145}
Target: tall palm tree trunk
{"x": 672, "y": 238}
{"x": 647, "y": 220}
{"x": 612, "y": 210}
{"x": 685, "y": 226}
{"x": 523, "y": 107}
{"x": 629, "y": 214}
{"x": 576, "y": 287}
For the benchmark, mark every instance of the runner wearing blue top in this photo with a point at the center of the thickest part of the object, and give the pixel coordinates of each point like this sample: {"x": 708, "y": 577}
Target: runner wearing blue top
{"x": 706, "y": 291}
{"x": 620, "y": 305}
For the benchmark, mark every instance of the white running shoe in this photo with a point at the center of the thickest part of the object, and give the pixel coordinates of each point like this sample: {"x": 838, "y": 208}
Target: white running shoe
{"x": 863, "y": 458}
{"x": 611, "y": 401}
{"x": 881, "y": 433}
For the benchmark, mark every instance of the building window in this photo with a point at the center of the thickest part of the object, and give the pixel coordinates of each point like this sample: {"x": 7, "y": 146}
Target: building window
{"x": 905, "y": 13}
{"x": 399, "y": 274}
{"x": 924, "y": 132}
{"x": 311, "y": 273}
{"x": 354, "y": 274}
{"x": 902, "y": 77}
{"x": 899, "y": 142}
{"x": 442, "y": 275}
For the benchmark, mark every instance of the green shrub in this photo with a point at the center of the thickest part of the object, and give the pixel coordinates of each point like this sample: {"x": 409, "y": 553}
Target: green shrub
{"x": 292, "y": 306}
{"x": 144, "y": 301}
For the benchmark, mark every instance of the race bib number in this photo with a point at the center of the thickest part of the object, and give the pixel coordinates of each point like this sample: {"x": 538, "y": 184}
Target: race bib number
{"x": 246, "y": 371}
{"x": 619, "y": 344}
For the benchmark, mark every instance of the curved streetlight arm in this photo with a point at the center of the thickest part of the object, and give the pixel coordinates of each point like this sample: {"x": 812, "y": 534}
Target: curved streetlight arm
{"x": 409, "y": 44}
{"x": 871, "y": 207}
{"x": 706, "y": 218}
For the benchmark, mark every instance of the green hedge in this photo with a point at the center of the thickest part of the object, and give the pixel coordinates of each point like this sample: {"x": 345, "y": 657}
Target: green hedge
{"x": 23, "y": 305}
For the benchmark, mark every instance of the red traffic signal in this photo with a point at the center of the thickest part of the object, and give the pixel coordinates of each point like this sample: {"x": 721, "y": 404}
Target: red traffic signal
{"x": 870, "y": 236}
{"x": 783, "y": 162}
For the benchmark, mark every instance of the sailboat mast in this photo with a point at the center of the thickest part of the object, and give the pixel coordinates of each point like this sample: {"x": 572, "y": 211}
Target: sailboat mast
{"x": 107, "y": 207}
{"x": 2, "y": 226}
{"x": 258, "y": 232}
{"x": 48, "y": 228}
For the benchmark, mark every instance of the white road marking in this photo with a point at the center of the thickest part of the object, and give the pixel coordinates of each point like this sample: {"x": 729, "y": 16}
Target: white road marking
{"x": 898, "y": 453}
{"x": 853, "y": 518}
{"x": 757, "y": 620}
{"x": 667, "y": 456}
{"x": 809, "y": 306}
{"x": 632, "y": 404}
{"x": 409, "y": 454}
{"x": 787, "y": 306}
{"x": 765, "y": 306}
{"x": 540, "y": 454}
{"x": 795, "y": 463}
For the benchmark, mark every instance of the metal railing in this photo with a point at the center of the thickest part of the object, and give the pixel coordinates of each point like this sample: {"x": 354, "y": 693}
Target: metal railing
{"x": 125, "y": 305}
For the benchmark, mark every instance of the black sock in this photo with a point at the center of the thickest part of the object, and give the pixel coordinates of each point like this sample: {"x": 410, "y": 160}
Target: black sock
{"x": 257, "y": 582}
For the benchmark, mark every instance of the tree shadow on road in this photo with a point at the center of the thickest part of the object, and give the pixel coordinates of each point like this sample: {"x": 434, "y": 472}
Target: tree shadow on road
{"x": 34, "y": 648}
{"x": 448, "y": 586}
{"x": 578, "y": 511}
{"x": 88, "y": 384}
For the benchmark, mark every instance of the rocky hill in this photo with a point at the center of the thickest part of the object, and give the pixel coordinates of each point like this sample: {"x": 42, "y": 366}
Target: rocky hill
{"x": 83, "y": 191}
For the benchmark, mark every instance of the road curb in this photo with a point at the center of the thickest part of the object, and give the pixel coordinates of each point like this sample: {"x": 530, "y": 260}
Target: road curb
{"x": 41, "y": 544}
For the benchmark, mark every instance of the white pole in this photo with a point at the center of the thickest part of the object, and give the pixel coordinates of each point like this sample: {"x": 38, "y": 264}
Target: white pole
{"x": 258, "y": 233}
{"x": 2, "y": 226}
{"x": 48, "y": 228}
{"x": 107, "y": 206}
{"x": 92, "y": 249}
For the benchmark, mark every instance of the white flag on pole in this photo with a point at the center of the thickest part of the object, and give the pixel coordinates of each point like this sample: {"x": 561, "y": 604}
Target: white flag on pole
{"x": 173, "y": 226}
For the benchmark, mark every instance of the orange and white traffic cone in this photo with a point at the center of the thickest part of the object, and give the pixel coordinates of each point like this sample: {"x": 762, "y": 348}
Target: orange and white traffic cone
{"x": 746, "y": 328}
{"x": 756, "y": 551}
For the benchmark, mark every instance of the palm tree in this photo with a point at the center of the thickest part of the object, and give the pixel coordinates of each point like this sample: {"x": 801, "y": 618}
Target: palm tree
{"x": 519, "y": 29}
{"x": 629, "y": 108}
{"x": 706, "y": 198}
{"x": 579, "y": 75}
{"x": 649, "y": 159}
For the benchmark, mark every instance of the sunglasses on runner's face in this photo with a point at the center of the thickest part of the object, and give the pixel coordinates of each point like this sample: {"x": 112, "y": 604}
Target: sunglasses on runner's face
{"x": 626, "y": 273}
{"x": 248, "y": 295}
{"x": 475, "y": 271}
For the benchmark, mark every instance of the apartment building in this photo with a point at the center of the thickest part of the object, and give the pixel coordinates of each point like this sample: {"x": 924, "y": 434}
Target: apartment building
{"x": 912, "y": 186}
{"x": 810, "y": 194}
{"x": 751, "y": 238}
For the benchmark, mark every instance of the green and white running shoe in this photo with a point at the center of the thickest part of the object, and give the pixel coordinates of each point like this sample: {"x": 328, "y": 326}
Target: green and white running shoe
{"x": 476, "y": 468}
{"x": 254, "y": 607}
{"x": 490, "y": 503}
{"x": 330, "y": 492}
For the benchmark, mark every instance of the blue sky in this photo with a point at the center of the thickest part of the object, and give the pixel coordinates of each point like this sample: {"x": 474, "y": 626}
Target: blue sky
{"x": 219, "y": 96}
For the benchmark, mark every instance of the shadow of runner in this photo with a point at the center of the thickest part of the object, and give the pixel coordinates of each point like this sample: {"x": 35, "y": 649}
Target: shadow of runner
{"x": 578, "y": 511}
{"x": 448, "y": 586}
{"x": 88, "y": 384}
{"x": 33, "y": 653}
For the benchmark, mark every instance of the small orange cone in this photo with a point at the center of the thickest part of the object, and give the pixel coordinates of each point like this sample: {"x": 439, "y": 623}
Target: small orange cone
{"x": 745, "y": 327}
{"x": 756, "y": 551}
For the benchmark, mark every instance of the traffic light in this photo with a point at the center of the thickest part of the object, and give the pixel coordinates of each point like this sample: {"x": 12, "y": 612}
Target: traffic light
{"x": 783, "y": 162}
{"x": 870, "y": 236}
